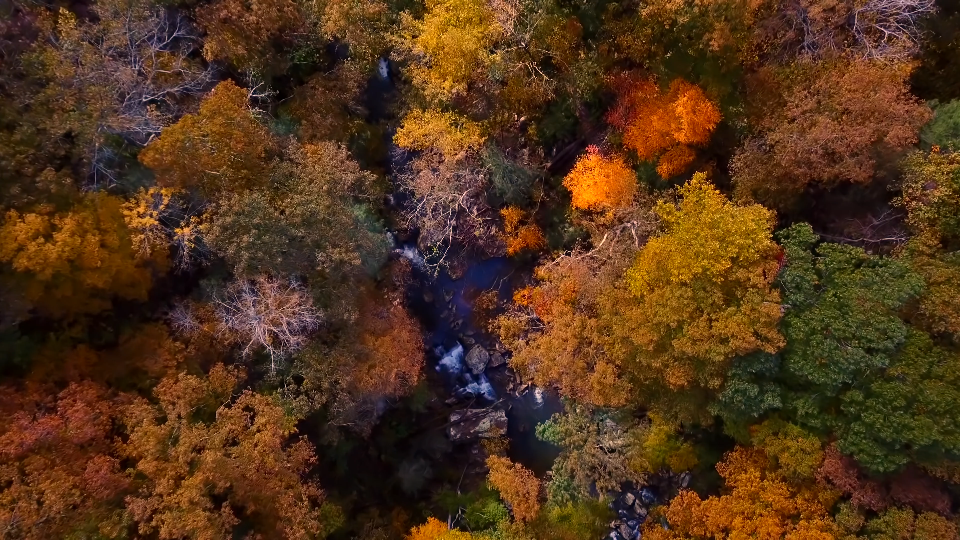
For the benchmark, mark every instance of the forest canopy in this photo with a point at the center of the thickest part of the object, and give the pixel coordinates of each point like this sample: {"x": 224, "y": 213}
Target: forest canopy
{"x": 479, "y": 269}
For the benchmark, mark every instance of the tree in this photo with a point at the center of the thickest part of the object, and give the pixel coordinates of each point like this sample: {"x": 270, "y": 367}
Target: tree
{"x": 842, "y": 122}
{"x": 245, "y": 33}
{"x": 306, "y": 222}
{"x": 451, "y": 42}
{"x": 449, "y": 204}
{"x": 221, "y": 149}
{"x": 61, "y": 476}
{"x": 597, "y": 451}
{"x": 329, "y": 104}
{"x": 126, "y": 75}
{"x": 75, "y": 261}
{"x": 702, "y": 292}
{"x": 559, "y": 337}
{"x": 930, "y": 194}
{"x": 212, "y": 465}
{"x": 517, "y": 485}
{"x": 598, "y": 182}
{"x": 160, "y": 219}
{"x": 520, "y": 237}
{"x": 364, "y": 25}
{"x": 664, "y": 124}
{"x": 267, "y": 314}
{"x": 756, "y": 503}
{"x": 449, "y": 133}
{"x": 843, "y": 331}
{"x": 434, "y": 529}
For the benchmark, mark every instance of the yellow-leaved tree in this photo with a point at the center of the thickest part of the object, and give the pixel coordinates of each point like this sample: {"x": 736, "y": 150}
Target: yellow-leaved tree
{"x": 452, "y": 43}
{"x": 74, "y": 261}
{"x": 598, "y": 182}
{"x": 434, "y": 529}
{"x": 665, "y": 124}
{"x": 703, "y": 291}
{"x": 450, "y": 133}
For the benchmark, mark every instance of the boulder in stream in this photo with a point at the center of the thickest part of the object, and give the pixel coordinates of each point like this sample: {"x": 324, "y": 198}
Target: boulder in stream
{"x": 469, "y": 424}
{"x": 496, "y": 360}
{"x": 477, "y": 359}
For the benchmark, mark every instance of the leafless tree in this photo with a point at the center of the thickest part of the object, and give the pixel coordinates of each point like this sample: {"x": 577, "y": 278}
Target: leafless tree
{"x": 449, "y": 205}
{"x": 889, "y": 29}
{"x": 138, "y": 65}
{"x": 874, "y": 29}
{"x": 267, "y": 314}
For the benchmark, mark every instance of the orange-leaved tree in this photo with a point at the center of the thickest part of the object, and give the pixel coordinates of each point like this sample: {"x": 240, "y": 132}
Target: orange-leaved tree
{"x": 61, "y": 477}
{"x": 223, "y": 148}
{"x": 666, "y": 124}
{"x": 599, "y": 182}
{"x": 703, "y": 291}
{"x": 210, "y": 465}
{"x": 520, "y": 236}
{"x": 434, "y": 529}
{"x": 517, "y": 485}
{"x": 757, "y": 503}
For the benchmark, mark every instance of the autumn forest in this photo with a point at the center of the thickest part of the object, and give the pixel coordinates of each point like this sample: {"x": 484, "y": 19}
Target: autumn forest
{"x": 480, "y": 269}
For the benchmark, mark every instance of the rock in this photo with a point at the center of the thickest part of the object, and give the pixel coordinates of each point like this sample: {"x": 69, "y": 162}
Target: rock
{"x": 456, "y": 324}
{"x": 496, "y": 360}
{"x": 444, "y": 314}
{"x": 628, "y": 499}
{"x": 467, "y": 340}
{"x": 447, "y": 295}
{"x": 428, "y": 297}
{"x": 477, "y": 359}
{"x": 641, "y": 511}
{"x": 469, "y": 424}
{"x": 685, "y": 479}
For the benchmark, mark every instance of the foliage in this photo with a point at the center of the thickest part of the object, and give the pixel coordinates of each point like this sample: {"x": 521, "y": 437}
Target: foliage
{"x": 75, "y": 261}
{"x": 221, "y": 149}
{"x": 944, "y": 129}
{"x": 60, "y": 473}
{"x": 327, "y": 104}
{"x": 598, "y": 182}
{"x": 520, "y": 237}
{"x": 128, "y": 74}
{"x": 245, "y": 33}
{"x": 597, "y": 450}
{"x": 517, "y": 485}
{"x": 451, "y": 42}
{"x": 757, "y": 503}
{"x": 304, "y": 223}
{"x": 841, "y": 123}
{"x": 212, "y": 464}
{"x": 703, "y": 290}
{"x": 843, "y": 330}
{"x": 664, "y": 123}
{"x": 449, "y": 133}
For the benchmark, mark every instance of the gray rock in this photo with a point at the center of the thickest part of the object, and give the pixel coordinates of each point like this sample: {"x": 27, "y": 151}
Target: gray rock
{"x": 628, "y": 499}
{"x": 467, "y": 340}
{"x": 428, "y": 297}
{"x": 477, "y": 359}
{"x": 685, "y": 479}
{"x": 447, "y": 295}
{"x": 640, "y": 510}
{"x": 469, "y": 424}
{"x": 496, "y": 360}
